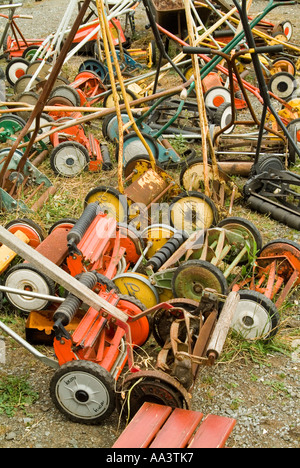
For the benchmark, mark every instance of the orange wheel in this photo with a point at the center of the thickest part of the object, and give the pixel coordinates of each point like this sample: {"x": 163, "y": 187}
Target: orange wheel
{"x": 140, "y": 329}
{"x": 32, "y": 230}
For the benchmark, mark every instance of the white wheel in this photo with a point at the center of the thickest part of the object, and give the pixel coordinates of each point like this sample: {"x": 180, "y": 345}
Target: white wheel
{"x": 217, "y": 96}
{"x": 69, "y": 159}
{"x": 283, "y": 85}
{"x": 26, "y": 277}
{"x": 83, "y": 391}
{"x": 256, "y": 316}
{"x": 15, "y": 69}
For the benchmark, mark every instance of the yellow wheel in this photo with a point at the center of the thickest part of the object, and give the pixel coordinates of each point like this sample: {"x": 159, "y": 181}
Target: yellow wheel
{"x": 158, "y": 235}
{"x": 192, "y": 176}
{"x": 138, "y": 286}
{"x": 111, "y": 201}
{"x": 192, "y": 211}
{"x": 109, "y": 99}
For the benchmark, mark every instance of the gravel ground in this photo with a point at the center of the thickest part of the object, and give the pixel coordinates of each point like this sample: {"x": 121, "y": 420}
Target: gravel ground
{"x": 263, "y": 396}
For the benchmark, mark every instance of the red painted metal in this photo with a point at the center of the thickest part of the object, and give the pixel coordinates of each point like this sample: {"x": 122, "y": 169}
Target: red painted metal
{"x": 158, "y": 426}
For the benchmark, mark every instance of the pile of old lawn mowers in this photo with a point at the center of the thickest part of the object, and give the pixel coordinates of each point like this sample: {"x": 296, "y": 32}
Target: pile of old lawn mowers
{"x": 159, "y": 253}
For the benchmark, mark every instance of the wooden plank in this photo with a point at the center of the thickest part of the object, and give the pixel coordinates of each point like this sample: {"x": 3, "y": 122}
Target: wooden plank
{"x": 143, "y": 427}
{"x": 213, "y": 432}
{"x": 58, "y": 275}
{"x": 178, "y": 429}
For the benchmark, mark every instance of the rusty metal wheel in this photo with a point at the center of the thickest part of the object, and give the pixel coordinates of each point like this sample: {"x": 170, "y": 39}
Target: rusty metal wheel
{"x": 152, "y": 386}
{"x": 163, "y": 318}
{"x": 192, "y": 277}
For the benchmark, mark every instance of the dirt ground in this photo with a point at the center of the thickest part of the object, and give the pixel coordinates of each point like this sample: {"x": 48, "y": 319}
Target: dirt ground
{"x": 261, "y": 394}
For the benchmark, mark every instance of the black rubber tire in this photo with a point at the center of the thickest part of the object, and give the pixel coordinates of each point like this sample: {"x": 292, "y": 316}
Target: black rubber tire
{"x": 93, "y": 371}
{"x": 244, "y": 223}
{"x": 10, "y": 78}
{"x": 201, "y": 196}
{"x": 67, "y": 92}
{"x": 58, "y": 223}
{"x": 283, "y": 91}
{"x": 61, "y": 148}
{"x": 36, "y": 227}
{"x": 212, "y": 270}
{"x": 112, "y": 191}
{"x": 270, "y": 308}
{"x": 49, "y": 283}
{"x": 280, "y": 241}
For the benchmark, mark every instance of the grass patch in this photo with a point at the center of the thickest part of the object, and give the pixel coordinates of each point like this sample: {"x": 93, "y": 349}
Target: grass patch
{"x": 16, "y": 394}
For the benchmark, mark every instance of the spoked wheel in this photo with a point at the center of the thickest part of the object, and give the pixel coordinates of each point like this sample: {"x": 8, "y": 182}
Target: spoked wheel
{"x": 111, "y": 202}
{"x": 32, "y": 230}
{"x": 96, "y": 67}
{"x": 256, "y": 316}
{"x": 288, "y": 254}
{"x": 193, "y": 276}
{"x": 248, "y": 231}
{"x": 192, "y": 211}
{"x": 138, "y": 286}
{"x": 150, "y": 386}
{"x": 163, "y": 319}
{"x": 83, "y": 391}
{"x": 70, "y": 158}
{"x": 15, "y": 69}
{"x": 27, "y": 278}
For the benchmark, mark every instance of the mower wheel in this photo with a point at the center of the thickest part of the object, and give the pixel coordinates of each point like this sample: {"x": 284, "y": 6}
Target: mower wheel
{"x": 217, "y": 96}
{"x": 223, "y": 117}
{"x": 247, "y": 230}
{"x": 31, "y": 229}
{"x": 141, "y": 329}
{"x": 111, "y": 201}
{"x": 15, "y": 69}
{"x": 137, "y": 286}
{"x": 28, "y": 278}
{"x": 283, "y": 85}
{"x": 192, "y": 211}
{"x": 256, "y": 316}
{"x": 68, "y": 159}
{"x": 83, "y": 391}
{"x": 193, "y": 276}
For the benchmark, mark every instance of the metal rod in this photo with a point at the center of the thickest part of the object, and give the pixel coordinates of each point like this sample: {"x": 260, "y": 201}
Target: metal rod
{"x": 23, "y": 292}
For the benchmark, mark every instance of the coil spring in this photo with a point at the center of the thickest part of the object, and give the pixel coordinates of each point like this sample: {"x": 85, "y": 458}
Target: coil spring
{"x": 67, "y": 310}
{"x": 81, "y": 226}
{"x": 165, "y": 252}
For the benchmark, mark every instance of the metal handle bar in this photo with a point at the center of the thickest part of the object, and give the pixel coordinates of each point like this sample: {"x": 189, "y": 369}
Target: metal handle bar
{"x": 207, "y": 51}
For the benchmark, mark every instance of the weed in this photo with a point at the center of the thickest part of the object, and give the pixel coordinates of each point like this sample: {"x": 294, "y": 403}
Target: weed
{"x": 15, "y": 394}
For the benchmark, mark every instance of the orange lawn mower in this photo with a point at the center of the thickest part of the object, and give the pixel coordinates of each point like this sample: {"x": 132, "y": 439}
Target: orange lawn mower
{"x": 275, "y": 275}
{"x": 89, "y": 361}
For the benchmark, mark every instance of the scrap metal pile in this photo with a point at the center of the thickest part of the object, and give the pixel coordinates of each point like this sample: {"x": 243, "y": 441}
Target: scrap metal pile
{"x": 158, "y": 253}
